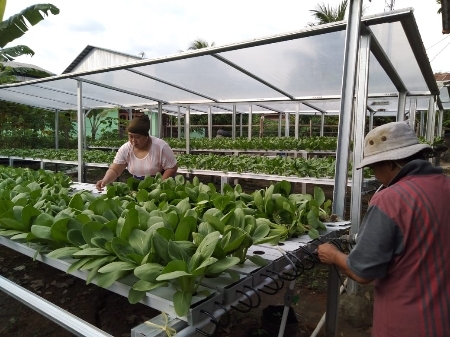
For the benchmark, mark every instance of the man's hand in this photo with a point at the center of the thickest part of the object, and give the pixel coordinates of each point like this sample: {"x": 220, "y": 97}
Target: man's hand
{"x": 327, "y": 253}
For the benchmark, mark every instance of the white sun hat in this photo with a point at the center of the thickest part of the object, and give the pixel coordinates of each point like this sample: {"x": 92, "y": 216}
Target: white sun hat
{"x": 391, "y": 141}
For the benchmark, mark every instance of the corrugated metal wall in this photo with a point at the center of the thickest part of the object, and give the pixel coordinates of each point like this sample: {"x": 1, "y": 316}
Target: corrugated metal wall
{"x": 97, "y": 59}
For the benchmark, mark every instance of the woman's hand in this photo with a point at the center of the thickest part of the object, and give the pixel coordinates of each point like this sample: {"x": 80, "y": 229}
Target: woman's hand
{"x": 100, "y": 185}
{"x": 113, "y": 172}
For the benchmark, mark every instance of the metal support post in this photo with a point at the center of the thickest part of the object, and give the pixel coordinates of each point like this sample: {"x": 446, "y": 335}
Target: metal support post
{"x": 286, "y": 131}
{"x": 358, "y": 140}
{"x": 346, "y": 108}
{"x": 280, "y": 118}
{"x": 322, "y": 124}
{"x": 80, "y": 117}
{"x": 160, "y": 121}
{"x": 250, "y": 121}
{"x": 343, "y": 145}
{"x": 401, "y": 106}
{"x": 371, "y": 113}
{"x": 85, "y": 113}
{"x": 179, "y": 123}
{"x": 187, "y": 129}
{"x": 56, "y": 129}
{"x": 233, "y": 123}
{"x": 440, "y": 122}
{"x": 240, "y": 125}
{"x": 130, "y": 114}
{"x": 223, "y": 181}
{"x": 297, "y": 118}
{"x": 304, "y": 188}
{"x": 422, "y": 124}
{"x": 431, "y": 121}
{"x": 210, "y": 129}
{"x": 412, "y": 113}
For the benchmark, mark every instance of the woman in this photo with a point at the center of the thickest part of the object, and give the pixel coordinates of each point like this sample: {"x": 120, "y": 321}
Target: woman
{"x": 142, "y": 155}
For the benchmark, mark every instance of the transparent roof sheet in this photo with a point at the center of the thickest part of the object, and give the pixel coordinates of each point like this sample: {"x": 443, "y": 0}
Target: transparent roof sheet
{"x": 379, "y": 81}
{"x": 272, "y": 73}
{"x": 382, "y": 104}
{"x": 444, "y": 94}
{"x": 297, "y": 67}
{"x": 133, "y": 82}
{"x": 13, "y": 95}
{"x": 395, "y": 44}
{"x": 211, "y": 77}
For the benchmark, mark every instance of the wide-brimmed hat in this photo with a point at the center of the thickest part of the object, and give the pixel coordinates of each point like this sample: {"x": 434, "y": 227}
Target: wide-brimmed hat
{"x": 390, "y": 141}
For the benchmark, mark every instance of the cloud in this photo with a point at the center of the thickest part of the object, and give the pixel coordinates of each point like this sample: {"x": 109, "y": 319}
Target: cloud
{"x": 89, "y": 26}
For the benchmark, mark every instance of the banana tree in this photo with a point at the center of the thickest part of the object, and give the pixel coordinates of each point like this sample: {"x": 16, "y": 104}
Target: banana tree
{"x": 15, "y": 27}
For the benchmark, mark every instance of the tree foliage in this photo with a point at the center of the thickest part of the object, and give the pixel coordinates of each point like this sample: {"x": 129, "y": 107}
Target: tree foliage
{"x": 326, "y": 14}
{"x": 199, "y": 44}
{"x": 439, "y": 2}
{"x": 99, "y": 117}
{"x": 13, "y": 28}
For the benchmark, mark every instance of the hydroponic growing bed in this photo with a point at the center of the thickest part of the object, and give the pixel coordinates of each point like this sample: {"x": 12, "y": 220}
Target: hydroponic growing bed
{"x": 44, "y": 216}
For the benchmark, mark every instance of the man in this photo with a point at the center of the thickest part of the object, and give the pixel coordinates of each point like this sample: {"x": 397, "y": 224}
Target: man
{"x": 403, "y": 242}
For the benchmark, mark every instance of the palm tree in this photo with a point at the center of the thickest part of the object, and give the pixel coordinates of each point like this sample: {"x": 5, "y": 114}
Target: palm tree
{"x": 15, "y": 27}
{"x": 199, "y": 44}
{"x": 326, "y": 14}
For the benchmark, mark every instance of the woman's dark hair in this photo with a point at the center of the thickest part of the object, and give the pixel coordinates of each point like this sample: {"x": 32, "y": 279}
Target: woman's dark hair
{"x": 140, "y": 125}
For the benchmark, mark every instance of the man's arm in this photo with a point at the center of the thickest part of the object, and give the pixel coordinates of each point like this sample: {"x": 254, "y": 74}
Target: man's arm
{"x": 329, "y": 254}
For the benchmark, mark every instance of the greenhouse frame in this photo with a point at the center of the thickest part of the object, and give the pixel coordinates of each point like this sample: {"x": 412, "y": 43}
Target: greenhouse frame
{"x": 295, "y": 73}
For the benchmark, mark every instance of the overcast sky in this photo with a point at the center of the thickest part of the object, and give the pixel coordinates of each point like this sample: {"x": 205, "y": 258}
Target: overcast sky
{"x": 164, "y": 27}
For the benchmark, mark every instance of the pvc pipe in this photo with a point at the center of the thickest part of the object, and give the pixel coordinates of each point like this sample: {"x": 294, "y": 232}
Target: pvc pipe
{"x": 286, "y": 311}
